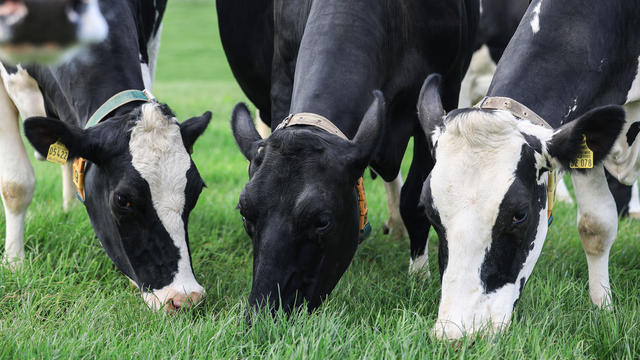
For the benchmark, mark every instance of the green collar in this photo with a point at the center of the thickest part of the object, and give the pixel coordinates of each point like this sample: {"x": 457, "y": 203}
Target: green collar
{"x": 117, "y": 100}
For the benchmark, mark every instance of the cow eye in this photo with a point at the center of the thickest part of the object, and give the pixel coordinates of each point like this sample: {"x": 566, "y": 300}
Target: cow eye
{"x": 322, "y": 223}
{"x": 249, "y": 227}
{"x": 519, "y": 217}
{"x": 122, "y": 201}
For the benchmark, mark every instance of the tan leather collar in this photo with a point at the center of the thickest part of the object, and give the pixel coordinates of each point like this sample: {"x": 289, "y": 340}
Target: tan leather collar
{"x": 312, "y": 120}
{"x": 512, "y": 106}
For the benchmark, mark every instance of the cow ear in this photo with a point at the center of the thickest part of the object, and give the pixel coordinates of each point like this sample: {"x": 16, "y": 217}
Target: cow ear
{"x": 244, "y": 131}
{"x": 42, "y": 132}
{"x": 600, "y": 127}
{"x": 191, "y": 129}
{"x": 365, "y": 143}
{"x": 430, "y": 110}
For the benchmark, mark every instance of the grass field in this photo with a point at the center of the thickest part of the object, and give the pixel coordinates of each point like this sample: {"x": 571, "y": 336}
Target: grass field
{"x": 69, "y": 301}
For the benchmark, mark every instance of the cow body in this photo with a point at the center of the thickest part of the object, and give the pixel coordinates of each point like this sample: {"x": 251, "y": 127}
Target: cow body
{"x": 326, "y": 58}
{"x": 140, "y": 182}
{"x": 43, "y": 31}
{"x": 564, "y": 63}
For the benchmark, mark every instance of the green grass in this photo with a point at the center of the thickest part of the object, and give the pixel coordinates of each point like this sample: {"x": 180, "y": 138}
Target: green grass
{"x": 70, "y": 302}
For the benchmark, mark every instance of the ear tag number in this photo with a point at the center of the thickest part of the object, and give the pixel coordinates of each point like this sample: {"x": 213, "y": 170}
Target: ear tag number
{"x": 58, "y": 153}
{"x": 584, "y": 160}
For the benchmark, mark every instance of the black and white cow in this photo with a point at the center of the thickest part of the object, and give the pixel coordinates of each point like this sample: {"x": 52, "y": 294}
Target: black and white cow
{"x": 326, "y": 58}
{"x": 140, "y": 182}
{"x": 37, "y": 30}
{"x": 487, "y": 193}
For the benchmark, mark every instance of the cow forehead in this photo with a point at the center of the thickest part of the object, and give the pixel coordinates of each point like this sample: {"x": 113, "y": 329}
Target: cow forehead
{"x": 476, "y": 163}
{"x": 159, "y": 155}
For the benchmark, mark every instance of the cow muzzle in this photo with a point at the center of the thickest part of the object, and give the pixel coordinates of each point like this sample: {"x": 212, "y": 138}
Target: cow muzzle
{"x": 172, "y": 299}
{"x": 474, "y": 312}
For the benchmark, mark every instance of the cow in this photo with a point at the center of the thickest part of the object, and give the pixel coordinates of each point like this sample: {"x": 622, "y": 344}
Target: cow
{"x": 547, "y": 109}
{"x": 46, "y": 31}
{"x": 137, "y": 178}
{"x": 320, "y": 61}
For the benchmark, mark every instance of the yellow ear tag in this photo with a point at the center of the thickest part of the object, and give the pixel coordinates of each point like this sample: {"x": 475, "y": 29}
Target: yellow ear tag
{"x": 58, "y": 153}
{"x": 584, "y": 160}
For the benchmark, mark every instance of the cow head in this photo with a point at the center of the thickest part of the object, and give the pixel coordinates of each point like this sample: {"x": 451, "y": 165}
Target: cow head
{"x": 486, "y": 197}
{"x": 43, "y": 30}
{"x": 300, "y": 206}
{"x": 140, "y": 186}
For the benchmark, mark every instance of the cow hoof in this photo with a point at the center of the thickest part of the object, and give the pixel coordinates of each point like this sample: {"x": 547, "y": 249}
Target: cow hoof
{"x": 634, "y": 215}
{"x": 420, "y": 267}
{"x": 396, "y": 229}
{"x": 13, "y": 264}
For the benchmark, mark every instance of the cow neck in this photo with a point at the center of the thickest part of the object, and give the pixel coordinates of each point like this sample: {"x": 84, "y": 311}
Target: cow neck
{"x": 569, "y": 65}
{"x": 338, "y": 62}
{"x": 321, "y": 122}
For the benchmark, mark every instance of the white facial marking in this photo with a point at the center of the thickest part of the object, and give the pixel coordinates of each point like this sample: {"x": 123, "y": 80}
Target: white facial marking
{"x": 93, "y": 27}
{"x": 477, "y": 156}
{"x": 535, "y": 22}
{"x": 159, "y": 155}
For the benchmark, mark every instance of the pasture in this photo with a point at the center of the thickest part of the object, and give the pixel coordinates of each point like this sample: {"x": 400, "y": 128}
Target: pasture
{"x": 69, "y": 301}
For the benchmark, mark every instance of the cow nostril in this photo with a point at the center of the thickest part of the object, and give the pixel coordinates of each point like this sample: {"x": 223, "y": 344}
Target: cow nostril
{"x": 180, "y": 301}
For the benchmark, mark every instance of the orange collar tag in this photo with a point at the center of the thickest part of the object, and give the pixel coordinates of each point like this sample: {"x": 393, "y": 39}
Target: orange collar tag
{"x": 551, "y": 194}
{"x": 365, "y": 227}
{"x": 78, "y": 177}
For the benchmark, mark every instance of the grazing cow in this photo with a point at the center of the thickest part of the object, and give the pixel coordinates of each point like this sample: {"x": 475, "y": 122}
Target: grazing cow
{"x": 320, "y": 61}
{"x": 487, "y": 193}
{"x": 139, "y": 181}
{"x": 43, "y": 31}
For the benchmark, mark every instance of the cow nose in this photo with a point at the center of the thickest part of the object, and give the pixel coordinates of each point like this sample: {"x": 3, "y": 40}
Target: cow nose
{"x": 181, "y": 300}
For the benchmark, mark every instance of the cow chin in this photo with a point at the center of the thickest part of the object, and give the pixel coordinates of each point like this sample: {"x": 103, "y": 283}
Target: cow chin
{"x": 474, "y": 312}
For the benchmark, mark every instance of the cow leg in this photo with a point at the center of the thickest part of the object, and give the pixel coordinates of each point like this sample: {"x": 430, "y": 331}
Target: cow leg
{"x": 597, "y": 226}
{"x": 394, "y": 225}
{"x": 68, "y": 187}
{"x": 634, "y": 203}
{"x": 562, "y": 192}
{"x": 17, "y": 180}
{"x": 412, "y": 212}
{"x": 26, "y": 96}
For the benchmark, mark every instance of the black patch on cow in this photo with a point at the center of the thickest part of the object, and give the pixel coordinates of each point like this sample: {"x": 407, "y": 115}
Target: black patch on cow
{"x": 632, "y": 133}
{"x": 511, "y": 243}
{"x": 533, "y": 142}
{"x": 621, "y": 194}
{"x": 426, "y": 200}
{"x": 515, "y": 302}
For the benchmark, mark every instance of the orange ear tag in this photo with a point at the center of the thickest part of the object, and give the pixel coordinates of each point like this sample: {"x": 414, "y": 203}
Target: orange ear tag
{"x": 78, "y": 177}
